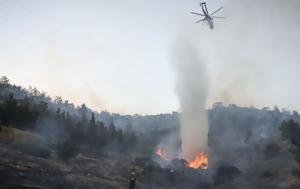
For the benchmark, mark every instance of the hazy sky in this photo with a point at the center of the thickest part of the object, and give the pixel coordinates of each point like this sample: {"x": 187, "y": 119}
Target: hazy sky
{"x": 117, "y": 55}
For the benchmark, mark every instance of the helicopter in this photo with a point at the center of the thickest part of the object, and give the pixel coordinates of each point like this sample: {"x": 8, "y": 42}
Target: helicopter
{"x": 207, "y": 17}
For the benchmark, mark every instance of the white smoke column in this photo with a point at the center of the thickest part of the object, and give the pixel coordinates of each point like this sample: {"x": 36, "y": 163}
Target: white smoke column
{"x": 191, "y": 88}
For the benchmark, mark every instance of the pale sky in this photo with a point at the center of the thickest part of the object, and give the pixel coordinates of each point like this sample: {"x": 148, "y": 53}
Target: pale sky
{"x": 116, "y": 55}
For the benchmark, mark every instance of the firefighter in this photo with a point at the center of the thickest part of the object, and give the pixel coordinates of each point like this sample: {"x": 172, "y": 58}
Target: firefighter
{"x": 132, "y": 179}
{"x": 172, "y": 178}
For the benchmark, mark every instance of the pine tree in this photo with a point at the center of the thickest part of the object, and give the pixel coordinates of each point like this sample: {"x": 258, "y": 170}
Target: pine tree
{"x": 291, "y": 130}
{"x": 92, "y": 126}
{"x": 112, "y": 130}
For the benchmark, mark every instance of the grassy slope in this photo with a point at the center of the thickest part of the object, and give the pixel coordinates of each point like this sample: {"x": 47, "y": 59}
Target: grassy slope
{"x": 20, "y": 169}
{"x": 13, "y": 135}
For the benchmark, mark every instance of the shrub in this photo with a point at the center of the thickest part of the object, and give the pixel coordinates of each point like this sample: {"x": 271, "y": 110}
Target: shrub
{"x": 38, "y": 150}
{"x": 67, "y": 149}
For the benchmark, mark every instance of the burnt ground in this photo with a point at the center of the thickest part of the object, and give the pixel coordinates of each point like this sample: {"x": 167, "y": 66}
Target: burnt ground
{"x": 27, "y": 162}
{"x": 20, "y": 168}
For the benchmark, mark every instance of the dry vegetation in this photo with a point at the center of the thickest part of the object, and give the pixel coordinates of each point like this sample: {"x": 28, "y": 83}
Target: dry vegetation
{"x": 13, "y": 135}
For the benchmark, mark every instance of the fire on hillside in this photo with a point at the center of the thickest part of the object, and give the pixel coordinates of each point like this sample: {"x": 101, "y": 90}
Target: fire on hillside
{"x": 199, "y": 162}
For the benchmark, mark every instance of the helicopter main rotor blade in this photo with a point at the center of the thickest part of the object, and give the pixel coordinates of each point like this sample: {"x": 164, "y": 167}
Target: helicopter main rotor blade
{"x": 200, "y": 20}
{"x": 219, "y": 17}
{"x": 197, "y": 13}
{"x": 216, "y": 11}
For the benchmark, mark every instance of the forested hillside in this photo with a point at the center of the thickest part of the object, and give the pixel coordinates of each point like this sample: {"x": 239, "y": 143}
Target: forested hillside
{"x": 71, "y": 139}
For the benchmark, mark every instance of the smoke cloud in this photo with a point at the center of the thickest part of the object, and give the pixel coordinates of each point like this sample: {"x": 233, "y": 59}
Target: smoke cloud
{"x": 191, "y": 88}
{"x": 254, "y": 51}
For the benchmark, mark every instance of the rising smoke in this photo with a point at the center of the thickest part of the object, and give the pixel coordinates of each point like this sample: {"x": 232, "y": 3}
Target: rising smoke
{"x": 253, "y": 53}
{"x": 191, "y": 88}
{"x": 263, "y": 42}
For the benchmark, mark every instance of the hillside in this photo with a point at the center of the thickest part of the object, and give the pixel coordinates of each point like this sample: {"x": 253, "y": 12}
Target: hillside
{"x": 47, "y": 143}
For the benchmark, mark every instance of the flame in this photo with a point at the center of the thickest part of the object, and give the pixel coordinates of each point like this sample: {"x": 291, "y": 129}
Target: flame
{"x": 161, "y": 153}
{"x": 200, "y": 161}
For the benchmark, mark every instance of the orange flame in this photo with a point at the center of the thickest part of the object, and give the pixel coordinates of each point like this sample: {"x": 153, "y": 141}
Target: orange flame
{"x": 161, "y": 153}
{"x": 200, "y": 161}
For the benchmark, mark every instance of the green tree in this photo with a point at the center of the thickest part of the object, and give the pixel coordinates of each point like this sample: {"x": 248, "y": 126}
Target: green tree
{"x": 4, "y": 80}
{"x": 67, "y": 149}
{"x": 291, "y": 130}
{"x": 102, "y": 132}
{"x": 58, "y": 100}
{"x": 83, "y": 110}
{"x": 112, "y": 130}
{"x": 9, "y": 110}
{"x": 57, "y": 115}
{"x": 93, "y": 122}
{"x": 119, "y": 136}
{"x": 92, "y": 131}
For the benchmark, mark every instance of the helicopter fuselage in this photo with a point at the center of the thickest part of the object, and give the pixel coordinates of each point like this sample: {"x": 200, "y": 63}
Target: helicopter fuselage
{"x": 208, "y": 18}
{"x": 210, "y": 22}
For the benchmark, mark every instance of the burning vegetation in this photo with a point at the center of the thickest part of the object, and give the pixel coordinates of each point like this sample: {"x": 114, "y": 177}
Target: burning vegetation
{"x": 200, "y": 161}
{"x": 87, "y": 149}
{"x": 161, "y": 153}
